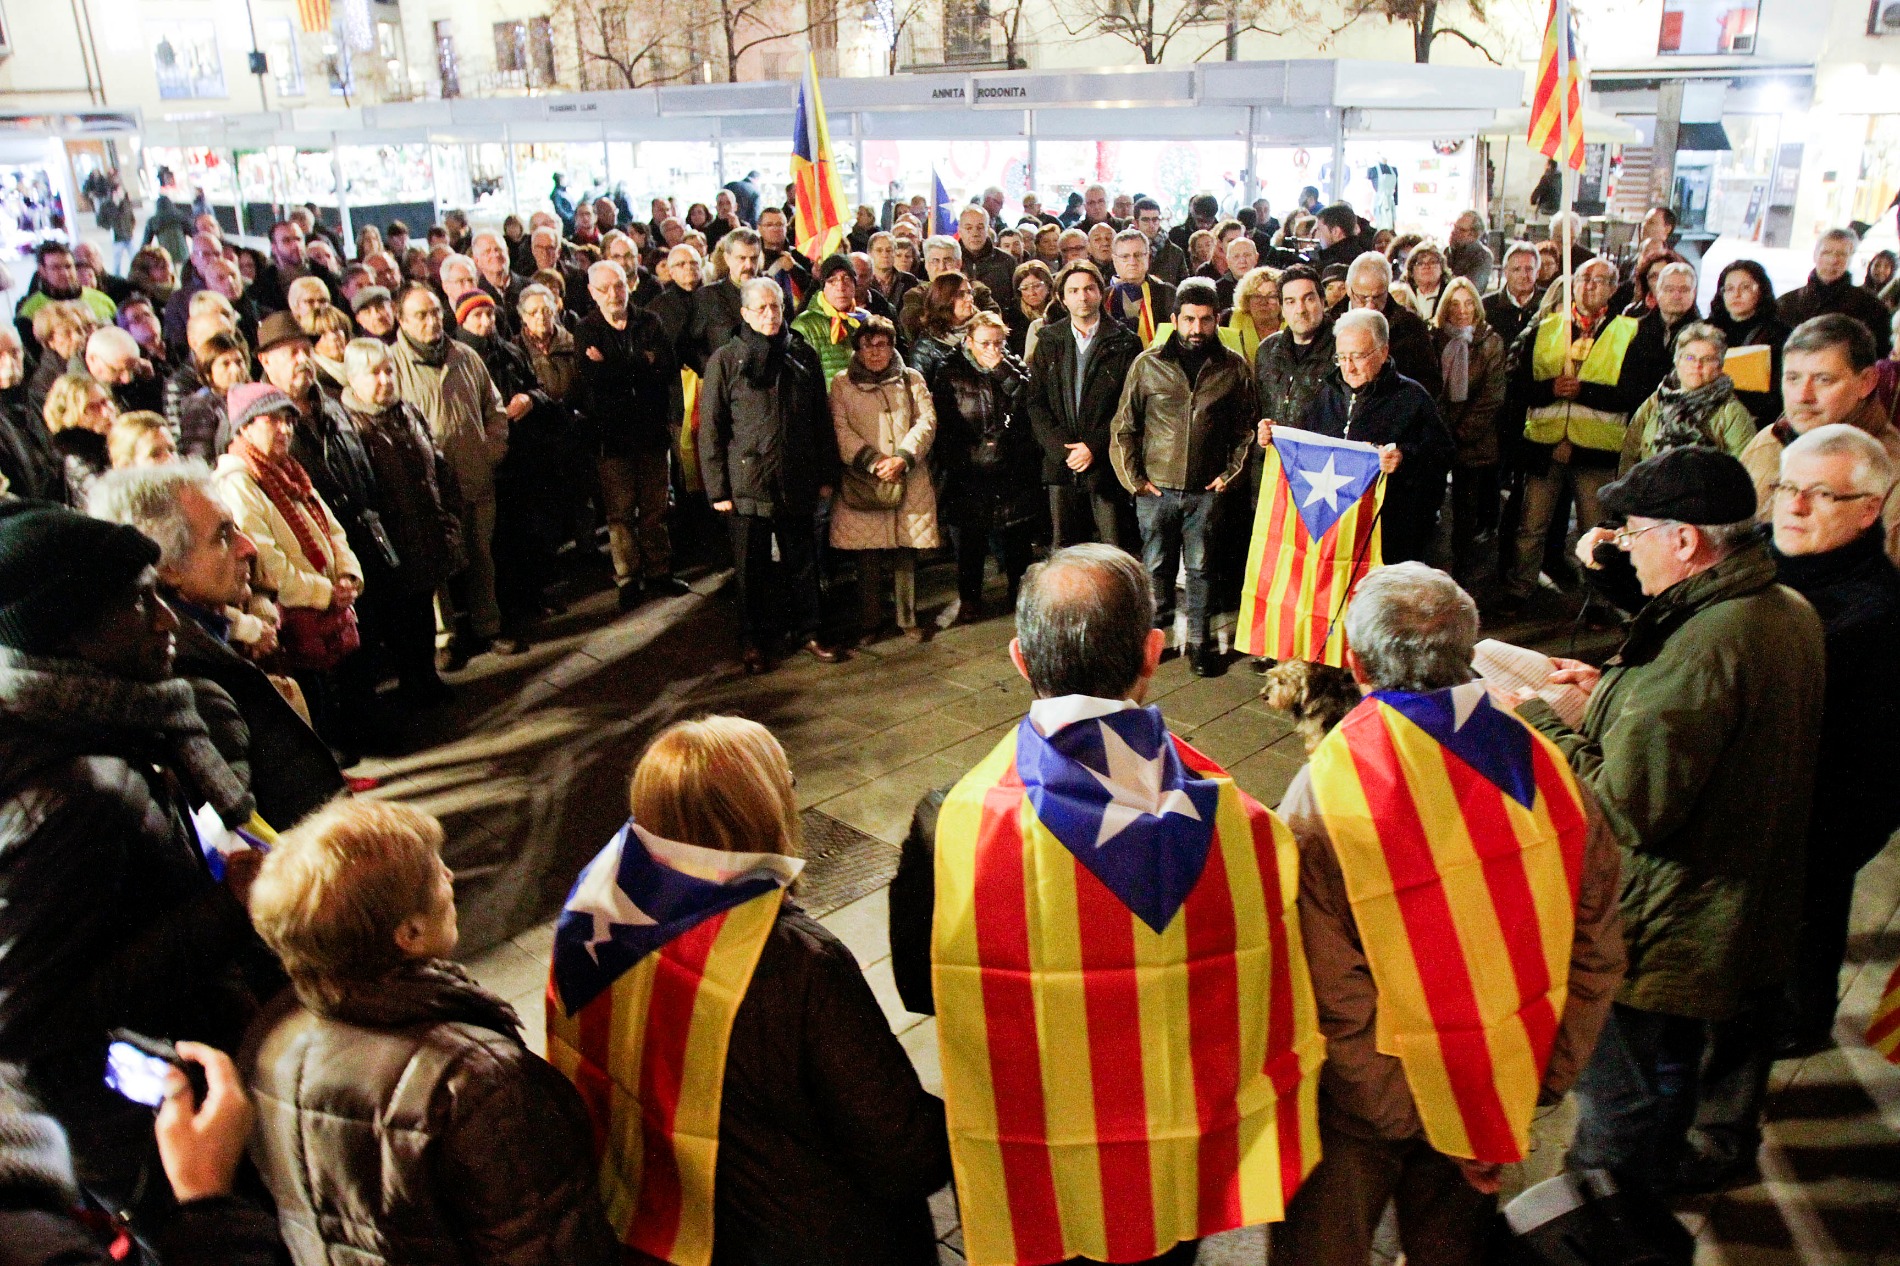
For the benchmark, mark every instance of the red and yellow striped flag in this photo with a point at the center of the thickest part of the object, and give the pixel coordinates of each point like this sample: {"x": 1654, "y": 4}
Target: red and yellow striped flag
{"x": 313, "y": 16}
{"x": 1112, "y": 1090}
{"x": 817, "y": 201}
{"x": 689, "y": 432}
{"x": 652, "y": 957}
{"x": 1883, "y": 1033}
{"x": 1315, "y": 536}
{"x": 1460, "y": 834}
{"x": 1557, "y": 105}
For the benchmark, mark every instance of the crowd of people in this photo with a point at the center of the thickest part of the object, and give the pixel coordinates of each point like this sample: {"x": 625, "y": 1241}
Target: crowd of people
{"x": 258, "y": 503}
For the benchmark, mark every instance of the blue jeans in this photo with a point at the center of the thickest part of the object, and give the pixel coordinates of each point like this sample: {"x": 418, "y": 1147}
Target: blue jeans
{"x": 1637, "y": 1096}
{"x": 1175, "y": 524}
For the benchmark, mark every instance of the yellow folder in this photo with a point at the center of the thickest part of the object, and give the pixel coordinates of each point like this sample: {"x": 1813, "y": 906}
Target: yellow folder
{"x": 1750, "y": 368}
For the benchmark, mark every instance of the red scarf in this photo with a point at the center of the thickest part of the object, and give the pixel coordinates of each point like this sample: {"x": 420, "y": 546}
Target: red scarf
{"x": 287, "y": 485}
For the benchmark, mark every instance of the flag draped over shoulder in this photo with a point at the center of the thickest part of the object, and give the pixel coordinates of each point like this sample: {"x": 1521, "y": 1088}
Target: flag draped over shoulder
{"x": 816, "y": 198}
{"x": 1557, "y": 105}
{"x": 652, "y": 956}
{"x": 1883, "y": 1033}
{"x": 1460, "y": 835}
{"x": 1128, "y": 1035}
{"x": 1315, "y": 536}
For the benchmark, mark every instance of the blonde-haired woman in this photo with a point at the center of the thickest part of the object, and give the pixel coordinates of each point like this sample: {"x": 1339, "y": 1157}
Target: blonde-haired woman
{"x": 61, "y": 330}
{"x": 79, "y": 411}
{"x": 1471, "y": 361}
{"x": 399, "y": 1112}
{"x": 140, "y": 438}
{"x": 828, "y": 1146}
{"x": 1256, "y": 311}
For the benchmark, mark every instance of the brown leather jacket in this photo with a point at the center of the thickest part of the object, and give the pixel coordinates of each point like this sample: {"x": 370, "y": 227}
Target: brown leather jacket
{"x": 1180, "y": 435}
{"x": 407, "y": 1124}
{"x": 1363, "y": 1092}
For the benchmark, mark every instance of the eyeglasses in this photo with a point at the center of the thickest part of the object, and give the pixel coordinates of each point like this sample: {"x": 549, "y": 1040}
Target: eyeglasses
{"x": 1356, "y": 358}
{"x": 1623, "y": 536}
{"x": 1822, "y": 498}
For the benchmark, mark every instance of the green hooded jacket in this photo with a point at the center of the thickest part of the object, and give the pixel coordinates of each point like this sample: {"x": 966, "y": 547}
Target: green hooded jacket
{"x": 1699, "y": 743}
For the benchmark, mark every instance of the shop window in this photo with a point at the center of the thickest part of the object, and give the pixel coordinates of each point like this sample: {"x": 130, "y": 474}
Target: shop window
{"x": 1703, "y": 28}
{"x": 447, "y": 65}
{"x": 280, "y": 45}
{"x": 966, "y": 31}
{"x": 185, "y": 58}
{"x": 511, "y": 54}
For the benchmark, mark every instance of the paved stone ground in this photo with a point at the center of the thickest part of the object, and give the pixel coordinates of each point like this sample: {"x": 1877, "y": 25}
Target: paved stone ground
{"x": 534, "y": 781}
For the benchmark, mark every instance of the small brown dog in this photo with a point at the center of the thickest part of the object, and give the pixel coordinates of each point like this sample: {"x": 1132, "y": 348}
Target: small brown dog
{"x": 1316, "y": 696}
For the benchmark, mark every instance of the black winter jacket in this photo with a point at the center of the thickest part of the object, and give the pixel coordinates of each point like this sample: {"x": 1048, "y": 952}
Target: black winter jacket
{"x": 984, "y": 447}
{"x": 766, "y": 442}
{"x": 828, "y": 1145}
{"x": 1393, "y": 409}
{"x": 1053, "y": 416}
{"x": 1843, "y": 296}
{"x": 631, "y": 395}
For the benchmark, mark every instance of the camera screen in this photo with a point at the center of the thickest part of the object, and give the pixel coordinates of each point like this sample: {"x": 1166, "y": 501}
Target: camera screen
{"x": 139, "y": 1077}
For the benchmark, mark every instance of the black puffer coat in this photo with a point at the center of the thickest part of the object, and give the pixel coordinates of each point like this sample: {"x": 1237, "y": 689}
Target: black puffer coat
{"x": 766, "y": 442}
{"x": 989, "y": 458}
{"x": 406, "y": 1123}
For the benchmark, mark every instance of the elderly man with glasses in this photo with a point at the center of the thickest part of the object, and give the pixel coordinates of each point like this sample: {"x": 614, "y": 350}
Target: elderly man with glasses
{"x": 1369, "y": 288}
{"x": 1699, "y": 745}
{"x": 1367, "y": 397}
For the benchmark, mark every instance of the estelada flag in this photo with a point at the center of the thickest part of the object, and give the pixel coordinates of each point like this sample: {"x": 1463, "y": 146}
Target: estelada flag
{"x": 689, "y": 432}
{"x": 816, "y": 198}
{"x": 1883, "y": 1033}
{"x": 1127, "y": 1029}
{"x": 1315, "y": 536}
{"x": 652, "y": 956}
{"x": 1460, "y": 834}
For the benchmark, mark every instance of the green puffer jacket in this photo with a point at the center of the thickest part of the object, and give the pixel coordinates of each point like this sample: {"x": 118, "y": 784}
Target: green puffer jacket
{"x": 1699, "y": 743}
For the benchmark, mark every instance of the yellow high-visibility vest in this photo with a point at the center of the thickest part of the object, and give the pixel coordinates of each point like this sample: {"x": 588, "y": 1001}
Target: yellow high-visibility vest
{"x": 1562, "y": 420}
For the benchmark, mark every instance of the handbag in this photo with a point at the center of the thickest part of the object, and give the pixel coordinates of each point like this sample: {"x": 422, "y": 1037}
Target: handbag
{"x": 316, "y": 641}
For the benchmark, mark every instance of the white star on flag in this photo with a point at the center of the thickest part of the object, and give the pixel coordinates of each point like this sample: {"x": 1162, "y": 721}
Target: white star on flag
{"x": 1325, "y": 484}
{"x": 599, "y": 896}
{"x": 1134, "y": 788}
{"x": 1464, "y": 701}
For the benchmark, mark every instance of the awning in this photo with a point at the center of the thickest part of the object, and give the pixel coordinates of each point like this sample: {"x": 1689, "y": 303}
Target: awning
{"x": 1598, "y": 128}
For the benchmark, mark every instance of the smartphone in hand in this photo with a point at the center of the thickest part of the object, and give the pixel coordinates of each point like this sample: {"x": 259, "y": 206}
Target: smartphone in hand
{"x": 139, "y": 1068}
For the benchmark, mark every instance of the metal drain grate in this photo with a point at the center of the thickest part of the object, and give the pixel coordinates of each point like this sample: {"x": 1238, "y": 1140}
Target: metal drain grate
{"x": 842, "y": 864}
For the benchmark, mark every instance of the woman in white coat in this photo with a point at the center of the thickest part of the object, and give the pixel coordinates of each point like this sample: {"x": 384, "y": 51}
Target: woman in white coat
{"x": 886, "y": 508}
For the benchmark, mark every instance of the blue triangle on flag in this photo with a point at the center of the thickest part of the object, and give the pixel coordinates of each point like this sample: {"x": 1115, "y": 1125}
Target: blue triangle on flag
{"x": 943, "y": 219}
{"x": 1114, "y": 792}
{"x": 1326, "y": 476}
{"x": 1464, "y": 722}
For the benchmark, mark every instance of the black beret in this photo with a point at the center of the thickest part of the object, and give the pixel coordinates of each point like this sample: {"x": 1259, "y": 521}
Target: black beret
{"x": 1686, "y": 485}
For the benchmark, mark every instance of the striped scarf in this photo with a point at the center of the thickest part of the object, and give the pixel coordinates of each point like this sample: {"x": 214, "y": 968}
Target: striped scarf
{"x": 287, "y": 485}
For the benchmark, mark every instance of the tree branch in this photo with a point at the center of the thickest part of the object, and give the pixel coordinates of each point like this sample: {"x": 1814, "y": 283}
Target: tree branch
{"x": 1457, "y": 34}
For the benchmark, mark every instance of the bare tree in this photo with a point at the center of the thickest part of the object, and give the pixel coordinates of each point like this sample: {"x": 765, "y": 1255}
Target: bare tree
{"x": 1427, "y": 20}
{"x": 748, "y": 24}
{"x": 630, "y": 43}
{"x": 1153, "y": 26}
{"x": 891, "y": 20}
{"x": 1008, "y": 21}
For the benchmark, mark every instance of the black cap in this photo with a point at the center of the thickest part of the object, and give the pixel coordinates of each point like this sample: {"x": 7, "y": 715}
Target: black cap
{"x": 1332, "y": 272}
{"x": 835, "y": 264}
{"x": 1686, "y": 485}
{"x": 59, "y": 569}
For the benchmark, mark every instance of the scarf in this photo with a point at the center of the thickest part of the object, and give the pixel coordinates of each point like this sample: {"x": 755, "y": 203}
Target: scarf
{"x": 1456, "y": 362}
{"x": 72, "y": 697}
{"x": 287, "y": 485}
{"x": 1683, "y": 415}
{"x": 842, "y": 323}
{"x": 1140, "y": 296}
{"x": 764, "y": 357}
{"x": 1581, "y": 344}
{"x": 434, "y": 355}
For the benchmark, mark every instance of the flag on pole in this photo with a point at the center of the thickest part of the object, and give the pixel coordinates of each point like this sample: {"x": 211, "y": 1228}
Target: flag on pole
{"x": 816, "y": 198}
{"x": 653, "y": 954}
{"x": 943, "y": 211}
{"x": 1883, "y": 1034}
{"x": 1315, "y": 536}
{"x": 313, "y": 16}
{"x": 1127, "y": 1029}
{"x": 1557, "y": 105}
